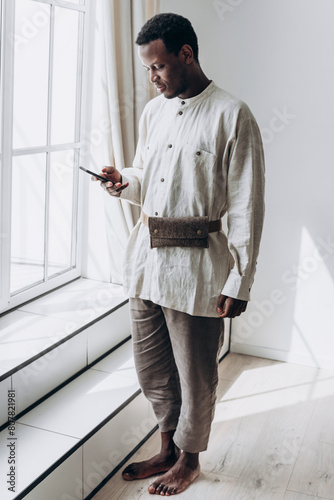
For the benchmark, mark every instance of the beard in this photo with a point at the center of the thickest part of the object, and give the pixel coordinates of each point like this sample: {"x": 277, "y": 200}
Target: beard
{"x": 181, "y": 87}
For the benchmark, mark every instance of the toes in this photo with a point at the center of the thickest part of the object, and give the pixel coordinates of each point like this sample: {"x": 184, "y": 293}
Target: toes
{"x": 170, "y": 491}
{"x": 159, "y": 489}
{"x": 128, "y": 472}
{"x": 129, "y": 469}
{"x": 153, "y": 488}
{"x": 164, "y": 490}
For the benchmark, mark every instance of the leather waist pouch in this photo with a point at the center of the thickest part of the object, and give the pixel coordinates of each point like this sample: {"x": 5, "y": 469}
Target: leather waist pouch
{"x": 180, "y": 231}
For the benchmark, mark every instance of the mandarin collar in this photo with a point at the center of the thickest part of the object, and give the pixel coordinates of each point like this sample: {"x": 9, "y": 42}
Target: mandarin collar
{"x": 197, "y": 98}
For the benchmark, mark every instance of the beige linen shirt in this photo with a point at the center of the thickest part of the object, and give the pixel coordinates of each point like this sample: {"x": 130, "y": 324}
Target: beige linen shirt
{"x": 195, "y": 157}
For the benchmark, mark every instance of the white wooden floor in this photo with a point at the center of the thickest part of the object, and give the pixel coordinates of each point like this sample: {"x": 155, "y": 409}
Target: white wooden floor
{"x": 272, "y": 437}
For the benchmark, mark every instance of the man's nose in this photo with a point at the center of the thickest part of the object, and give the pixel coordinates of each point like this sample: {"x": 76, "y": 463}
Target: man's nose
{"x": 153, "y": 77}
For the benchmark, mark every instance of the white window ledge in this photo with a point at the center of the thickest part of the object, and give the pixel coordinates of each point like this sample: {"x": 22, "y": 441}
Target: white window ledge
{"x": 39, "y": 326}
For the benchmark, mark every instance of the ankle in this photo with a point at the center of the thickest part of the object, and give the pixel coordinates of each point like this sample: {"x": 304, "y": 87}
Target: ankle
{"x": 170, "y": 450}
{"x": 168, "y": 446}
{"x": 191, "y": 459}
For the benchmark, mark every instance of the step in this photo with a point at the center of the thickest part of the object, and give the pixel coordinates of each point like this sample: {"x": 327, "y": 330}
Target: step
{"x": 47, "y": 341}
{"x": 68, "y": 444}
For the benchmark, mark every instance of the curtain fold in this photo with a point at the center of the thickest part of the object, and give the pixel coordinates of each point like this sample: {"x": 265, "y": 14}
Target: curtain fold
{"x": 120, "y": 92}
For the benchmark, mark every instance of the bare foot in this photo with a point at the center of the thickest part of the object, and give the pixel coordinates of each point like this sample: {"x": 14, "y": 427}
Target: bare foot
{"x": 184, "y": 472}
{"x": 156, "y": 465}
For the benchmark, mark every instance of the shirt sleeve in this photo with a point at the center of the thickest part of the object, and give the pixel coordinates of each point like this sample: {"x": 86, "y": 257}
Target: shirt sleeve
{"x": 133, "y": 175}
{"x": 245, "y": 204}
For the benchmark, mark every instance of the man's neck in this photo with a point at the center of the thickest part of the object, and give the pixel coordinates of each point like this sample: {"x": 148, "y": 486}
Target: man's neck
{"x": 198, "y": 83}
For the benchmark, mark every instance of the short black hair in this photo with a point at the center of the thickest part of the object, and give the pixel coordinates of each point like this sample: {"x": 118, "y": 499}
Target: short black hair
{"x": 173, "y": 29}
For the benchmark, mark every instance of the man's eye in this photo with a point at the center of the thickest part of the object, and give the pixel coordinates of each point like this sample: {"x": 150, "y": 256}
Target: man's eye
{"x": 157, "y": 68}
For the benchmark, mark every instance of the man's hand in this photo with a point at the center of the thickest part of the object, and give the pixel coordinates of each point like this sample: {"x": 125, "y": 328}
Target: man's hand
{"x": 114, "y": 185}
{"x": 229, "y": 307}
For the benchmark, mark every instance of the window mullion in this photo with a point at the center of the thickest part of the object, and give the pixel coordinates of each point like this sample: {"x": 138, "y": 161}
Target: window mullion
{"x": 75, "y": 209}
{"x": 7, "y": 62}
{"x": 48, "y": 143}
{"x": 46, "y": 149}
{"x": 79, "y": 78}
{"x": 77, "y": 139}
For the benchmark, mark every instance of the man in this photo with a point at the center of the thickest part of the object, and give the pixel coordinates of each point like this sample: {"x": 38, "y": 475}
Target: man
{"x": 199, "y": 155}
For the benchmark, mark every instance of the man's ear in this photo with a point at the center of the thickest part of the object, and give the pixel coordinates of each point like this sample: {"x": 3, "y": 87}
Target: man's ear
{"x": 187, "y": 53}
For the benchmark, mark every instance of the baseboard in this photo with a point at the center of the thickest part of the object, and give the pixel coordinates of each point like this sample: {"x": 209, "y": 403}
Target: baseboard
{"x": 280, "y": 355}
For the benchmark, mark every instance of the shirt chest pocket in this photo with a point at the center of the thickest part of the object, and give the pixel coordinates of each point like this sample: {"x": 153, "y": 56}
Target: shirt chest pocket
{"x": 195, "y": 169}
{"x": 150, "y": 153}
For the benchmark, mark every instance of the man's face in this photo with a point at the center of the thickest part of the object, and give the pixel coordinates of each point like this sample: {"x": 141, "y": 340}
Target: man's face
{"x": 167, "y": 71}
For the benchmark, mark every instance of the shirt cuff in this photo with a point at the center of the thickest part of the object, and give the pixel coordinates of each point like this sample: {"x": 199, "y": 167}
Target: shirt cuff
{"x": 132, "y": 192}
{"x": 237, "y": 287}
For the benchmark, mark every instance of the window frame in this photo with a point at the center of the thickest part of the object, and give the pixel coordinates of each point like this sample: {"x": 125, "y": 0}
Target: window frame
{"x": 7, "y": 18}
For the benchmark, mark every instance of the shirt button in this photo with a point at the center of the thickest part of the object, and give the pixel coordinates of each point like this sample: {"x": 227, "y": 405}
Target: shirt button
{"x": 198, "y": 153}
{"x": 180, "y": 113}
{"x": 162, "y": 180}
{"x": 155, "y": 213}
{"x": 182, "y": 102}
{"x": 170, "y": 145}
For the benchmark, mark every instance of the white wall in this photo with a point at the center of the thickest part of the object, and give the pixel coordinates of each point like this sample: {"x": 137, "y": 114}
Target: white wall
{"x": 277, "y": 55}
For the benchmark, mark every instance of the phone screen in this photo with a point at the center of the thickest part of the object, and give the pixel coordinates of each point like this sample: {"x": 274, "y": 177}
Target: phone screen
{"x": 98, "y": 176}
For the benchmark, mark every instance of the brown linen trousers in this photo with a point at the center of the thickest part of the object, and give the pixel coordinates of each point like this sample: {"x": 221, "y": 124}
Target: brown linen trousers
{"x": 176, "y": 358}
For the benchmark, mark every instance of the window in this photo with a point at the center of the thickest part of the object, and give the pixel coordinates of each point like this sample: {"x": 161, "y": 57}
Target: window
{"x": 42, "y": 54}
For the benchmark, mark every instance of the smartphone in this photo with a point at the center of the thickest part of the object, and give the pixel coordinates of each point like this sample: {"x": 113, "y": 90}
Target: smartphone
{"x": 103, "y": 179}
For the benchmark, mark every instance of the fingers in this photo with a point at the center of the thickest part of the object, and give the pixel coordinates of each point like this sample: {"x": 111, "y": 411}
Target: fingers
{"x": 93, "y": 178}
{"x": 109, "y": 186}
{"x": 108, "y": 170}
{"x": 121, "y": 187}
{"x": 112, "y": 174}
{"x": 228, "y": 310}
{"x": 114, "y": 189}
{"x": 229, "y": 307}
{"x": 221, "y": 305}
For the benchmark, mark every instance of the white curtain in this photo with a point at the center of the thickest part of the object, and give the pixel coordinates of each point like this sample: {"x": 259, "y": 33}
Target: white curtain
{"x": 120, "y": 90}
